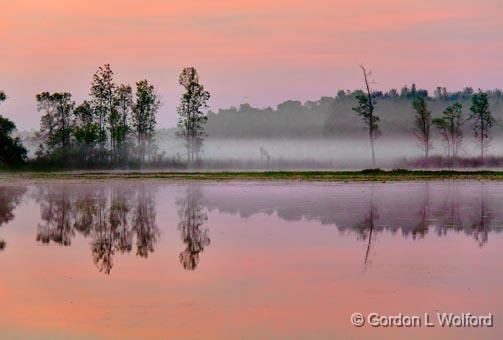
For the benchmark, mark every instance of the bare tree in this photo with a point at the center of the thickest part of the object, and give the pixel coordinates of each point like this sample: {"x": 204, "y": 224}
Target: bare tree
{"x": 366, "y": 108}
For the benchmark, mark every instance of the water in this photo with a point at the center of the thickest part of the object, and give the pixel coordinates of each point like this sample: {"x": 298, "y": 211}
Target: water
{"x": 247, "y": 260}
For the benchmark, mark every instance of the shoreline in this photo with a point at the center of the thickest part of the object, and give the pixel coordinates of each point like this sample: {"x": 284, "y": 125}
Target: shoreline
{"x": 371, "y": 175}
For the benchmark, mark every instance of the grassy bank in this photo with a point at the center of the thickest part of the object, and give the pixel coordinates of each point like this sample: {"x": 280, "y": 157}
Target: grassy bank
{"x": 329, "y": 176}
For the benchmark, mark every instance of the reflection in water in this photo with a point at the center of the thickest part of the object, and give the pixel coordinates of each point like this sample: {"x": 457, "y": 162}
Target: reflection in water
{"x": 365, "y": 228}
{"x": 120, "y": 219}
{"x": 112, "y": 217}
{"x": 192, "y": 218}
{"x": 10, "y": 197}
{"x": 413, "y": 209}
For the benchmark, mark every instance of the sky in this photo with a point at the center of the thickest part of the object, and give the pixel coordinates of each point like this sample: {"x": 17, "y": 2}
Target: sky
{"x": 260, "y": 52}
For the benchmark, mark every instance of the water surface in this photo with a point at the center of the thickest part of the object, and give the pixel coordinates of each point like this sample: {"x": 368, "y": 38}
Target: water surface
{"x": 246, "y": 260}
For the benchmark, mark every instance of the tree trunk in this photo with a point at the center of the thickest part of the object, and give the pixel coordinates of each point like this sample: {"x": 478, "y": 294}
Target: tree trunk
{"x": 372, "y": 149}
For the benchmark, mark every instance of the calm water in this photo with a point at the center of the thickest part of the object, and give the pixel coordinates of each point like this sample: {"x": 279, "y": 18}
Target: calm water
{"x": 247, "y": 260}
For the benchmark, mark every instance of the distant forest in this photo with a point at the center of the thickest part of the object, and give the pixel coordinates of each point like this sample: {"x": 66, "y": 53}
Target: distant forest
{"x": 334, "y": 116}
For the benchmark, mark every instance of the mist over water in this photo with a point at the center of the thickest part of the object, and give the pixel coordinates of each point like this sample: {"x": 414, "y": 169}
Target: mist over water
{"x": 317, "y": 154}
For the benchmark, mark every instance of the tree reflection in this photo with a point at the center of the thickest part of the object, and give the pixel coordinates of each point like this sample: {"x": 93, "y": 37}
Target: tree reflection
{"x": 483, "y": 220}
{"x": 10, "y": 197}
{"x": 111, "y": 217}
{"x": 192, "y": 214}
{"x": 365, "y": 229}
{"x": 56, "y": 225}
{"x": 423, "y": 215}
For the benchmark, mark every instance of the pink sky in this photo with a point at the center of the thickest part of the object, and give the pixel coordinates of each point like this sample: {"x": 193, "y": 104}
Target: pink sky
{"x": 261, "y": 52}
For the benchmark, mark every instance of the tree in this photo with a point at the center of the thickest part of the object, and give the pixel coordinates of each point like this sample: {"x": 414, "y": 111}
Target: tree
{"x": 192, "y": 118}
{"x": 103, "y": 95}
{"x": 144, "y": 118}
{"x": 46, "y": 105}
{"x": 12, "y": 152}
{"x": 124, "y": 105}
{"x": 483, "y": 120}
{"x": 366, "y": 108}
{"x": 451, "y": 128}
{"x": 86, "y": 131}
{"x": 64, "y": 124}
{"x": 422, "y": 124}
{"x": 56, "y": 122}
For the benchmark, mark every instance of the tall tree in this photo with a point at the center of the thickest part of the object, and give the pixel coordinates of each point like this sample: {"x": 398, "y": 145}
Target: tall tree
{"x": 144, "y": 118}
{"x": 124, "y": 105}
{"x": 483, "y": 120}
{"x": 192, "y": 118}
{"x": 46, "y": 105}
{"x": 64, "y": 112}
{"x": 366, "y": 108}
{"x": 12, "y": 151}
{"x": 56, "y": 123}
{"x": 86, "y": 131}
{"x": 422, "y": 124}
{"x": 103, "y": 94}
{"x": 450, "y": 126}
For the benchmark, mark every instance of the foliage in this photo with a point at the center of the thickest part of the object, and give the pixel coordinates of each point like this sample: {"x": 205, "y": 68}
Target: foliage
{"x": 450, "y": 126}
{"x": 144, "y": 121}
{"x": 422, "y": 124}
{"x": 192, "y": 118}
{"x": 365, "y": 109}
{"x": 483, "y": 120}
{"x": 12, "y": 151}
{"x": 99, "y": 131}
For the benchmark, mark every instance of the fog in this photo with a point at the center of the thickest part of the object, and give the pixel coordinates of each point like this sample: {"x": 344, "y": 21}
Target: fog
{"x": 321, "y": 153}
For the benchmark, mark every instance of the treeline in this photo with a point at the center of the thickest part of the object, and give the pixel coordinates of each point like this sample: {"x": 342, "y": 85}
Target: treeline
{"x": 331, "y": 117}
{"x": 115, "y": 125}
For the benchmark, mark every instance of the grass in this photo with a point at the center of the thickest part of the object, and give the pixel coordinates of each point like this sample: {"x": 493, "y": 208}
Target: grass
{"x": 328, "y": 176}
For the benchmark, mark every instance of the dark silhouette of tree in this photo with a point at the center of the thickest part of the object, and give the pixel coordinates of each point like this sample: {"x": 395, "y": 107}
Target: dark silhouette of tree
{"x": 12, "y": 151}
{"x": 56, "y": 125}
{"x": 192, "y": 216}
{"x": 450, "y": 126}
{"x": 103, "y": 101}
{"x": 86, "y": 132}
{"x": 46, "y": 105}
{"x": 192, "y": 118}
{"x": 124, "y": 104}
{"x": 144, "y": 118}
{"x": 10, "y": 197}
{"x": 422, "y": 124}
{"x": 483, "y": 120}
{"x": 366, "y": 108}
